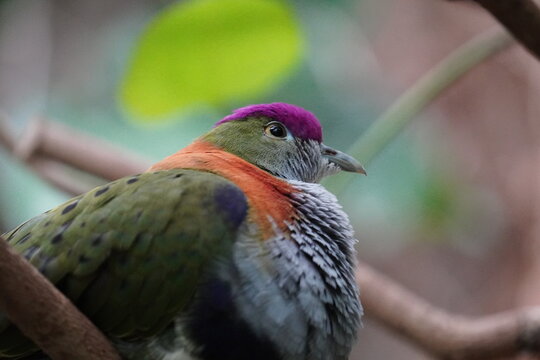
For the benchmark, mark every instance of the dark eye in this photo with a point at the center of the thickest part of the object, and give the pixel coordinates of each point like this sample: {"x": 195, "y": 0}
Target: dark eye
{"x": 275, "y": 130}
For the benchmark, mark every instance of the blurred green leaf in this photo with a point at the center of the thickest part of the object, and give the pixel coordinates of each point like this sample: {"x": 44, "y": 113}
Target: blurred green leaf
{"x": 210, "y": 51}
{"x": 438, "y": 200}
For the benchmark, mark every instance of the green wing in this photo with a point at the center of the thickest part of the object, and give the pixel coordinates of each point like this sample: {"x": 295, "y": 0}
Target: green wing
{"x": 131, "y": 253}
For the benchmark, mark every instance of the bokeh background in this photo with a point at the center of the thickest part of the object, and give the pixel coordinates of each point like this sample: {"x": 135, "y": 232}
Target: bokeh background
{"x": 450, "y": 208}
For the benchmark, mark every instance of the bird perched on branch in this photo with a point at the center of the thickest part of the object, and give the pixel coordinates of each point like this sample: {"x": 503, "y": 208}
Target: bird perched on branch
{"x": 228, "y": 249}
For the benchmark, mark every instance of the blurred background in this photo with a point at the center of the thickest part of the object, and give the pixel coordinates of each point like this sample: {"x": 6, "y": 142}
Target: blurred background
{"x": 450, "y": 208}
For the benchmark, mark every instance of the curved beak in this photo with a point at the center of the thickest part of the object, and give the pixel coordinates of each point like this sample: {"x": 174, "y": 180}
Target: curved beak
{"x": 344, "y": 161}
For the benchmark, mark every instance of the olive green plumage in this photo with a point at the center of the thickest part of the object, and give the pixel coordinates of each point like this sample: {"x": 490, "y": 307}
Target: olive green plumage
{"x": 112, "y": 248}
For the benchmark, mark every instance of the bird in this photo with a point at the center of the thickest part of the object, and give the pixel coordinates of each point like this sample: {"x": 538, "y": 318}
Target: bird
{"x": 227, "y": 249}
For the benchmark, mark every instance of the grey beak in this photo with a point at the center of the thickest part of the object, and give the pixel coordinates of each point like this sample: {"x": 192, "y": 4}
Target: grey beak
{"x": 344, "y": 161}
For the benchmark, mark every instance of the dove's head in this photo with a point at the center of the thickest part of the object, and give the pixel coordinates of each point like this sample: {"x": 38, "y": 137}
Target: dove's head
{"x": 282, "y": 139}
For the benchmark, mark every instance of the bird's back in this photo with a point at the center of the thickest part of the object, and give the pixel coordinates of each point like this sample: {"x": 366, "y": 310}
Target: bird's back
{"x": 130, "y": 254}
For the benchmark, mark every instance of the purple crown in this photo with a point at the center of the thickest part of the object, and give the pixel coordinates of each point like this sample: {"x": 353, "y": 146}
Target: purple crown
{"x": 302, "y": 123}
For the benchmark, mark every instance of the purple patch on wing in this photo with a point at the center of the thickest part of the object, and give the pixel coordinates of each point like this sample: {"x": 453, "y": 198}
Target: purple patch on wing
{"x": 232, "y": 203}
{"x": 302, "y": 123}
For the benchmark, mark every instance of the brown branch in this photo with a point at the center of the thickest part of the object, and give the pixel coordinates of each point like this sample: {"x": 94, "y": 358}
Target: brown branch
{"x": 50, "y": 170}
{"x": 520, "y": 17}
{"x": 87, "y": 153}
{"x": 43, "y": 314}
{"x": 50, "y": 148}
{"x": 445, "y": 335}
{"x": 59, "y": 175}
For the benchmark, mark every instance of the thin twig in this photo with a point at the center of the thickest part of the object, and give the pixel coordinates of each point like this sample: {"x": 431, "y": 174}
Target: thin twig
{"x": 417, "y": 97}
{"x": 43, "y": 314}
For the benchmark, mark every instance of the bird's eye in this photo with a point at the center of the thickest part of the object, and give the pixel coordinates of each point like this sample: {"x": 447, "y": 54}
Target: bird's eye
{"x": 276, "y": 130}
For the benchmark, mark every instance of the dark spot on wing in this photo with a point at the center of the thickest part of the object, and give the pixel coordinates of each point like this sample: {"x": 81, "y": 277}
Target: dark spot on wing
{"x": 57, "y": 239}
{"x": 137, "y": 240}
{"x": 43, "y": 266}
{"x": 101, "y": 191}
{"x": 232, "y": 202}
{"x": 70, "y": 207}
{"x": 105, "y": 202}
{"x": 16, "y": 231}
{"x": 65, "y": 225}
{"x": 28, "y": 253}
{"x": 132, "y": 180}
{"x": 23, "y": 239}
{"x": 97, "y": 240}
{"x": 12, "y": 234}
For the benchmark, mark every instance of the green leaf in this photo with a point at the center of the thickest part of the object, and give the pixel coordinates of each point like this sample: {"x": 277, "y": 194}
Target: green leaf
{"x": 210, "y": 51}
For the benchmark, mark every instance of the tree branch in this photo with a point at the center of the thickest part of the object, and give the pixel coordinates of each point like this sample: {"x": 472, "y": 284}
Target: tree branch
{"x": 445, "y": 335}
{"x": 50, "y": 149}
{"x": 520, "y": 17}
{"x": 46, "y": 316}
{"x": 53, "y": 140}
{"x": 59, "y": 175}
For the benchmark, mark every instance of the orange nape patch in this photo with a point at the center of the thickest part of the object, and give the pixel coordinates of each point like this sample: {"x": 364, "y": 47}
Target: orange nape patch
{"x": 267, "y": 195}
